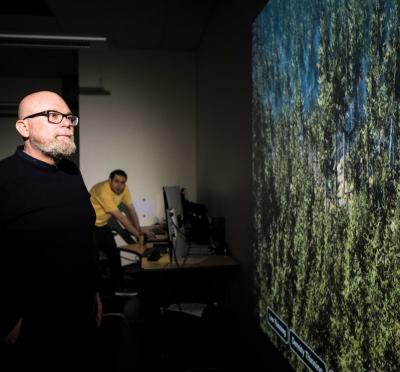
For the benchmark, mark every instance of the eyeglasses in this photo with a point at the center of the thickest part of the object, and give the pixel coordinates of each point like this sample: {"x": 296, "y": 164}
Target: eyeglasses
{"x": 55, "y": 117}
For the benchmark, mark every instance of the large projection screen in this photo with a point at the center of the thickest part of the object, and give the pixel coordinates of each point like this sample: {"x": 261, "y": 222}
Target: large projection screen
{"x": 326, "y": 170}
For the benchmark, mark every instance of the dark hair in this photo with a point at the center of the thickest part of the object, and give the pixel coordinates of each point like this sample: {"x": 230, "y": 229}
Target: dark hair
{"x": 118, "y": 172}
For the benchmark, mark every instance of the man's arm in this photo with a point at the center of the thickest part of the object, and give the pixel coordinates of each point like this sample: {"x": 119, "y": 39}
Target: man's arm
{"x": 135, "y": 221}
{"x": 125, "y": 221}
{"x": 134, "y": 217}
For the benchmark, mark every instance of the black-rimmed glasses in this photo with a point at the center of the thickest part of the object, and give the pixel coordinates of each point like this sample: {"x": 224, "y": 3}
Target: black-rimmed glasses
{"x": 55, "y": 117}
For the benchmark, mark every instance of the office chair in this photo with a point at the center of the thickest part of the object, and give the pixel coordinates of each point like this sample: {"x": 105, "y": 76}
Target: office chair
{"x": 119, "y": 230}
{"x": 131, "y": 271}
{"x": 133, "y": 259}
{"x": 131, "y": 263}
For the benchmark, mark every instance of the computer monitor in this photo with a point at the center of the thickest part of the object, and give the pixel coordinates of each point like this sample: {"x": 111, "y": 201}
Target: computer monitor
{"x": 188, "y": 237}
{"x": 174, "y": 218}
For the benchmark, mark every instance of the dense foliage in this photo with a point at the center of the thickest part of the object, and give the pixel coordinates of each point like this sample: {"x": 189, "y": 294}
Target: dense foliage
{"x": 326, "y": 167}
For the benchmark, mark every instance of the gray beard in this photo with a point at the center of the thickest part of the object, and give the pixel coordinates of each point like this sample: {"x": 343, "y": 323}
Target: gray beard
{"x": 56, "y": 150}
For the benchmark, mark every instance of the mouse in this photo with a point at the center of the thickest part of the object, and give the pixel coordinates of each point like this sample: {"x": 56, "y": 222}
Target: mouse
{"x": 154, "y": 256}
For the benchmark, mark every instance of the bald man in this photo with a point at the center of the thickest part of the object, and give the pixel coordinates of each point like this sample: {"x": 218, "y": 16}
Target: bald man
{"x": 48, "y": 267}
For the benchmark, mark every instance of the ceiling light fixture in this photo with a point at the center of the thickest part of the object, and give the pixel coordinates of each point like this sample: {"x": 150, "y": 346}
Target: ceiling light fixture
{"x": 94, "y": 91}
{"x": 51, "y": 41}
{"x": 8, "y": 109}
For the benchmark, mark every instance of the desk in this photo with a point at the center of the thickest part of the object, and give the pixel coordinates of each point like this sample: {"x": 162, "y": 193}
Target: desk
{"x": 164, "y": 263}
{"x": 203, "y": 281}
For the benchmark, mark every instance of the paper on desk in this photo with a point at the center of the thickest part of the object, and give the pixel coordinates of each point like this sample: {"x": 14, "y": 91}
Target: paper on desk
{"x": 192, "y": 308}
{"x": 128, "y": 258}
{"x": 145, "y": 209}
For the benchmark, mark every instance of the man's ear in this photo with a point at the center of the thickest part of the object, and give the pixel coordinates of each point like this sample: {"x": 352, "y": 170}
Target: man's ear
{"x": 23, "y": 128}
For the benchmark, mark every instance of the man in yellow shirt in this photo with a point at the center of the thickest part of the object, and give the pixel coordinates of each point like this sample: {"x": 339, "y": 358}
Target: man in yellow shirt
{"x": 106, "y": 196}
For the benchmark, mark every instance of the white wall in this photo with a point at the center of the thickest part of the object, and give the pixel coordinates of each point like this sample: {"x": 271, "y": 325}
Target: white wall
{"x": 147, "y": 126}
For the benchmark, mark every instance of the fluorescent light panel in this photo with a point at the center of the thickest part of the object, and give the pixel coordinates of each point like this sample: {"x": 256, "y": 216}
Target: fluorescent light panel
{"x": 50, "y": 41}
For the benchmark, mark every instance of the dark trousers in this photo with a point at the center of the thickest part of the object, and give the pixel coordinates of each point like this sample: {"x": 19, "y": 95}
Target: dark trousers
{"x": 104, "y": 241}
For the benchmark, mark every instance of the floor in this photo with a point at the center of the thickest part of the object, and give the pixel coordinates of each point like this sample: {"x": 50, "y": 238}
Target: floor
{"x": 136, "y": 338}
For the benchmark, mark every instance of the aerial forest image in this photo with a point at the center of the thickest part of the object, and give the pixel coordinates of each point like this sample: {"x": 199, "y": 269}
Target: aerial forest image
{"x": 326, "y": 177}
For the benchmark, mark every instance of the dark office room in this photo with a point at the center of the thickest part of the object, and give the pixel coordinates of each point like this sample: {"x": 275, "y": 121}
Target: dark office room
{"x": 214, "y": 187}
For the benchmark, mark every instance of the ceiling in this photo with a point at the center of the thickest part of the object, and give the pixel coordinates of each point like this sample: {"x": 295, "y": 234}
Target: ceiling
{"x": 168, "y": 25}
{"x": 176, "y": 25}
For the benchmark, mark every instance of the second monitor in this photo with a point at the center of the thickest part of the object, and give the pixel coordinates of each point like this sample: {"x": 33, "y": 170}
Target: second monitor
{"x": 178, "y": 226}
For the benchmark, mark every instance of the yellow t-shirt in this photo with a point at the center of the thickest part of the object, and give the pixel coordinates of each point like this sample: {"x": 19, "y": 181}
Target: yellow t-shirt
{"x": 104, "y": 200}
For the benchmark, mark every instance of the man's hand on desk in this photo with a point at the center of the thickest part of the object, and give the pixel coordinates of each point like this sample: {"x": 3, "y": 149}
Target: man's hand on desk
{"x": 147, "y": 233}
{"x": 150, "y": 235}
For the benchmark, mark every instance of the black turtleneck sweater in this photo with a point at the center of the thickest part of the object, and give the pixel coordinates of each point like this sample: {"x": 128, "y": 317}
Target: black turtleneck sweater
{"x": 47, "y": 258}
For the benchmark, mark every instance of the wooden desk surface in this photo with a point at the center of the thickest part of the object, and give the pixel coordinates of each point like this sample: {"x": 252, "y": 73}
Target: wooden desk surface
{"x": 164, "y": 263}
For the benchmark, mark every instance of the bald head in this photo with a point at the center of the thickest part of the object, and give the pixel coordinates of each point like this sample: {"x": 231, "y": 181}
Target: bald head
{"x": 41, "y": 101}
{"x": 43, "y": 139}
